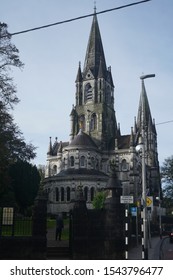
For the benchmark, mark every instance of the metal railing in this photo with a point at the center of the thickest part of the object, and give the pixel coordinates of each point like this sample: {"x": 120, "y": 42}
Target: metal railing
{"x": 14, "y": 224}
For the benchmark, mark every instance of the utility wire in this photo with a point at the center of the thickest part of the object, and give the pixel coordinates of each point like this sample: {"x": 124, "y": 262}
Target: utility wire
{"x": 76, "y": 18}
{"x": 164, "y": 122}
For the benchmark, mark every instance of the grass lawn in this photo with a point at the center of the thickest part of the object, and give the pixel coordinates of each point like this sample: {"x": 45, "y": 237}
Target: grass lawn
{"x": 24, "y": 228}
{"x": 20, "y": 228}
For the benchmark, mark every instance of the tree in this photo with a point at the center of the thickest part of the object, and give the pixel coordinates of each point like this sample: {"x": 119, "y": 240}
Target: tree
{"x": 167, "y": 179}
{"x": 41, "y": 168}
{"x": 99, "y": 199}
{"x": 8, "y": 58}
{"x": 12, "y": 143}
{"x": 25, "y": 182}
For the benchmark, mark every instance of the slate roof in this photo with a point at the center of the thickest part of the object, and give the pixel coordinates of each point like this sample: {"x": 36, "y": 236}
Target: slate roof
{"x": 70, "y": 173}
{"x": 81, "y": 171}
{"x": 124, "y": 142}
{"x": 57, "y": 145}
{"x": 83, "y": 140}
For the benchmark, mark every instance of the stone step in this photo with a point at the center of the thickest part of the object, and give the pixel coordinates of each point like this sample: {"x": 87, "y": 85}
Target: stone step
{"x": 58, "y": 253}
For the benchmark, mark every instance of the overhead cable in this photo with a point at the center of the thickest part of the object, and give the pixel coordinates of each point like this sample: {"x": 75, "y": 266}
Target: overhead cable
{"x": 76, "y": 18}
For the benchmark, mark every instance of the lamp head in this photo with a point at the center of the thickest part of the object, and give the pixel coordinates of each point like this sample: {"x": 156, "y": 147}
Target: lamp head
{"x": 139, "y": 148}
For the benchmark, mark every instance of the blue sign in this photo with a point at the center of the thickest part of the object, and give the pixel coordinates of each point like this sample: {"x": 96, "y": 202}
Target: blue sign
{"x": 134, "y": 211}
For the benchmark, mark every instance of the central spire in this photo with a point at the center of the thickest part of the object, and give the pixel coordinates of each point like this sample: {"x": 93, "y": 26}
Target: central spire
{"x": 144, "y": 113}
{"x": 95, "y": 52}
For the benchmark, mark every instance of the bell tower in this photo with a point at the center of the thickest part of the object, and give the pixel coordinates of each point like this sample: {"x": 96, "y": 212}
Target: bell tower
{"x": 94, "y": 108}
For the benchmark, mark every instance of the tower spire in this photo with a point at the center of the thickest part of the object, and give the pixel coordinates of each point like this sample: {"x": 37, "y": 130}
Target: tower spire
{"x": 95, "y": 51}
{"x": 79, "y": 74}
{"x": 144, "y": 113}
{"x": 95, "y": 7}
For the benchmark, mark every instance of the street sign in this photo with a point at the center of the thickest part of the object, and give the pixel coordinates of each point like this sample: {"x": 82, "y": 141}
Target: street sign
{"x": 126, "y": 199}
{"x": 133, "y": 211}
{"x": 149, "y": 201}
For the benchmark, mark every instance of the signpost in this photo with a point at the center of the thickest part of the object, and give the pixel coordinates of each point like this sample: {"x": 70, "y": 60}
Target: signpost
{"x": 126, "y": 199}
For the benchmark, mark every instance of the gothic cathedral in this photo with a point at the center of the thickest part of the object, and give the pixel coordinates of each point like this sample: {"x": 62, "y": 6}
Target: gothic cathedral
{"x": 96, "y": 140}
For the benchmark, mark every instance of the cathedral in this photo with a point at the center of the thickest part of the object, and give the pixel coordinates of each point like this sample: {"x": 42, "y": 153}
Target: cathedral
{"x": 96, "y": 140}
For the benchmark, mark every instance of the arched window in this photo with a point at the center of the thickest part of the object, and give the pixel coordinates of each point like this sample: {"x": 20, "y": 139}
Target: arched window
{"x": 82, "y": 161}
{"x": 68, "y": 193}
{"x": 86, "y": 193}
{"x": 92, "y": 193}
{"x": 62, "y": 194}
{"x": 71, "y": 161}
{"x": 92, "y": 162}
{"x": 80, "y": 96}
{"x": 57, "y": 194}
{"x": 97, "y": 163}
{"x": 124, "y": 165}
{"x": 88, "y": 92}
{"x": 93, "y": 122}
{"x": 54, "y": 170}
{"x": 108, "y": 94}
{"x": 64, "y": 162}
{"x": 82, "y": 122}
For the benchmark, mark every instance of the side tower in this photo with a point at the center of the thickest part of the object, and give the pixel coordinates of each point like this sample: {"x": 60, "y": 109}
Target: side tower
{"x": 94, "y": 108}
{"x": 145, "y": 122}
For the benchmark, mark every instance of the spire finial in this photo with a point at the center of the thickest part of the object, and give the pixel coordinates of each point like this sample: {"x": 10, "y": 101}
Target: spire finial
{"x": 94, "y": 7}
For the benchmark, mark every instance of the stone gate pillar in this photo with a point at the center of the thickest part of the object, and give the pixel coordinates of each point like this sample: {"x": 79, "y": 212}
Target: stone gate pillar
{"x": 79, "y": 238}
{"x": 39, "y": 227}
{"x": 114, "y": 244}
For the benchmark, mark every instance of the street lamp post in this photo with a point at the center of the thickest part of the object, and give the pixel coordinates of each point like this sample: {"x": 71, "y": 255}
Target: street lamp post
{"x": 144, "y": 195}
{"x": 160, "y": 215}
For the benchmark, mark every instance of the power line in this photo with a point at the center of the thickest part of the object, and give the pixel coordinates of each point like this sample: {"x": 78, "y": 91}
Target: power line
{"x": 76, "y": 18}
{"x": 164, "y": 122}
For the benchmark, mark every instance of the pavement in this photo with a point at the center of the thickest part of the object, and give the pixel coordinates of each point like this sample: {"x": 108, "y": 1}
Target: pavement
{"x": 51, "y": 242}
{"x": 135, "y": 253}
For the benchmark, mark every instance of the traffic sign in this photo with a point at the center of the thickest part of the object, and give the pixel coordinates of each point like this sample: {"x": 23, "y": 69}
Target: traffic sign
{"x": 126, "y": 199}
{"x": 149, "y": 201}
{"x": 134, "y": 211}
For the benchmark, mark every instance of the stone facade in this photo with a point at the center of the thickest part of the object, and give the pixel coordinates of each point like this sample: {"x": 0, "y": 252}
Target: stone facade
{"x": 96, "y": 139}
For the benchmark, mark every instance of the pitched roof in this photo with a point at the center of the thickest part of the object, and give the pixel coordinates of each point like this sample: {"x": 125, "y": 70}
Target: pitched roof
{"x": 57, "y": 146}
{"x": 124, "y": 142}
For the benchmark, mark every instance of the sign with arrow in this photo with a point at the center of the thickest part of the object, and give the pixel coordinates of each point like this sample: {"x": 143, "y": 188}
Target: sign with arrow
{"x": 149, "y": 201}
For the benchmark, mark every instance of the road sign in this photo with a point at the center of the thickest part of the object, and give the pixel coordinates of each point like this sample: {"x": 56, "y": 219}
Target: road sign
{"x": 149, "y": 201}
{"x": 134, "y": 211}
{"x": 126, "y": 199}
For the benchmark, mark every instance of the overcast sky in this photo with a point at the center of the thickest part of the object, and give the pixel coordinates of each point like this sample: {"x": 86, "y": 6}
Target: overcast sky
{"x": 137, "y": 40}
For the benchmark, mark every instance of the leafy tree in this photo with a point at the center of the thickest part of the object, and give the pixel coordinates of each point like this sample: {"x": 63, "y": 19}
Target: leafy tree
{"x": 99, "y": 199}
{"x": 25, "y": 182}
{"x": 12, "y": 144}
{"x": 8, "y": 58}
{"x": 41, "y": 168}
{"x": 167, "y": 179}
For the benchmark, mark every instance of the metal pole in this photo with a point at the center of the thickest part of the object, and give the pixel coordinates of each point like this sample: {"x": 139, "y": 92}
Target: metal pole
{"x": 136, "y": 226}
{"x": 144, "y": 211}
{"x": 160, "y": 217}
{"x": 144, "y": 204}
